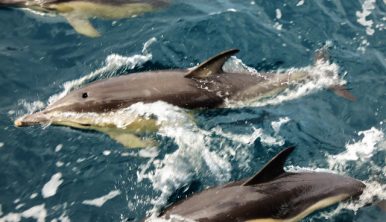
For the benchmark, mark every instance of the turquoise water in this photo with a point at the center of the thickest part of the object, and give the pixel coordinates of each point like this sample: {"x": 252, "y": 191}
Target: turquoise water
{"x": 58, "y": 173}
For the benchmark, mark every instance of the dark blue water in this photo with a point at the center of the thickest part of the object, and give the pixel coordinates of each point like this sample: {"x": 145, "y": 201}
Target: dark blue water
{"x": 38, "y": 54}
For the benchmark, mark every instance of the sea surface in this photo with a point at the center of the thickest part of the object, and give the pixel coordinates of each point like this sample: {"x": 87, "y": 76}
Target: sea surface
{"x": 50, "y": 173}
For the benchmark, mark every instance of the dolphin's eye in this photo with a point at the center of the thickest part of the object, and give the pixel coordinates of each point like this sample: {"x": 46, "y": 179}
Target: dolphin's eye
{"x": 84, "y": 95}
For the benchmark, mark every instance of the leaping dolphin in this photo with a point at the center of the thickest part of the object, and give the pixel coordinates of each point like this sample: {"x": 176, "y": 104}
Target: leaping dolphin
{"x": 78, "y": 12}
{"x": 272, "y": 195}
{"x": 205, "y": 86}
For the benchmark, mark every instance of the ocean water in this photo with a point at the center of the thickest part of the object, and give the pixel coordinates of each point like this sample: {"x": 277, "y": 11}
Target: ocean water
{"x": 50, "y": 173}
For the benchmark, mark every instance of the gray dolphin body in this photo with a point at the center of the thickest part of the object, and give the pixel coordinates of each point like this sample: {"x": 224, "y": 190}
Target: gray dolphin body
{"x": 78, "y": 12}
{"x": 205, "y": 86}
{"x": 272, "y": 195}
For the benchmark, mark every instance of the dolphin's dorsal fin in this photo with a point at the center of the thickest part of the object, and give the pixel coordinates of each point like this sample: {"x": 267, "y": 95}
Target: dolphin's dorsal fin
{"x": 271, "y": 170}
{"x": 211, "y": 66}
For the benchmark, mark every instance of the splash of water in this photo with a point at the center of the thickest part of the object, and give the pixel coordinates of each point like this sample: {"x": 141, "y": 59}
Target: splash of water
{"x": 361, "y": 152}
{"x": 367, "y": 8}
{"x": 323, "y": 75}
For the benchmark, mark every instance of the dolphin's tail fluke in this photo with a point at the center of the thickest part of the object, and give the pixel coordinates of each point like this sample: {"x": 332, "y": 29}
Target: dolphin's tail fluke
{"x": 342, "y": 91}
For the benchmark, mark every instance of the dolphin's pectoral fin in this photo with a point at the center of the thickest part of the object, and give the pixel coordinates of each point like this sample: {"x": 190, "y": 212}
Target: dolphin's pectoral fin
{"x": 82, "y": 26}
{"x": 130, "y": 140}
{"x": 342, "y": 91}
{"x": 273, "y": 169}
{"x": 211, "y": 66}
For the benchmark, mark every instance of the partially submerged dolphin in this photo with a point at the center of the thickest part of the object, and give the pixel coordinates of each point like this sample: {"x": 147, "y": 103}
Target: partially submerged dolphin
{"x": 272, "y": 195}
{"x": 78, "y": 12}
{"x": 205, "y": 86}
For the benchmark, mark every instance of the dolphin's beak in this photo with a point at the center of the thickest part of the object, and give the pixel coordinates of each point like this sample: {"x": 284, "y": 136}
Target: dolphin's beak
{"x": 32, "y": 119}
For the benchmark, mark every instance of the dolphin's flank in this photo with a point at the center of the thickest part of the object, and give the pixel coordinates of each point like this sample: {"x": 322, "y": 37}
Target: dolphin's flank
{"x": 271, "y": 195}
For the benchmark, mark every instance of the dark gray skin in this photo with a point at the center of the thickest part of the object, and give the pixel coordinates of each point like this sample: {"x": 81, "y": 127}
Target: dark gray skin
{"x": 270, "y": 194}
{"x": 168, "y": 86}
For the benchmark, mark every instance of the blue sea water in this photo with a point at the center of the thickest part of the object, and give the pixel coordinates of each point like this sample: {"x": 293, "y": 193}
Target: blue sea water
{"x": 61, "y": 174}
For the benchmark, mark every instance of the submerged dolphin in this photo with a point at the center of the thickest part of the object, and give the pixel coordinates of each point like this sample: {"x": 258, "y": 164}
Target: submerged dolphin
{"x": 78, "y": 12}
{"x": 271, "y": 195}
{"x": 205, "y": 86}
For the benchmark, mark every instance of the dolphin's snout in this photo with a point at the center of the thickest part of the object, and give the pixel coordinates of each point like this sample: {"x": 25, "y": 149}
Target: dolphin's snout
{"x": 357, "y": 188}
{"x": 31, "y": 119}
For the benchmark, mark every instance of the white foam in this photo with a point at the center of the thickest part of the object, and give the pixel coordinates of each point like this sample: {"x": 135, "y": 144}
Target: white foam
{"x": 276, "y": 125}
{"x": 367, "y": 8}
{"x": 100, "y": 201}
{"x": 221, "y": 12}
{"x": 59, "y": 164}
{"x": 106, "y": 152}
{"x": 50, "y": 188}
{"x": 323, "y": 75}
{"x": 235, "y": 65}
{"x": 361, "y": 150}
{"x": 149, "y": 153}
{"x": 19, "y": 206}
{"x": 297, "y": 169}
{"x": 300, "y": 3}
{"x": 1, "y": 144}
{"x": 257, "y": 133}
{"x": 232, "y": 10}
{"x": 32, "y": 107}
{"x": 240, "y": 138}
{"x": 33, "y": 196}
{"x": 270, "y": 140}
{"x": 113, "y": 63}
{"x": 179, "y": 167}
{"x": 39, "y": 213}
{"x": 278, "y": 14}
{"x": 278, "y": 26}
{"x": 58, "y": 147}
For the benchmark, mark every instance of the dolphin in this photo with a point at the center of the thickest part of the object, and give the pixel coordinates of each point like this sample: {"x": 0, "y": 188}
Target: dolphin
{"x": 204, "y": 86}
{"x": 78, "y": 12}
{"x": 271, "y": 195}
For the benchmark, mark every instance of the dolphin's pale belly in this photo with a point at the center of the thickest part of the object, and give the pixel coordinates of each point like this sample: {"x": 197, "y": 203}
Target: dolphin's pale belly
{"x": 78, "y": 12}
{"x": 101, "y": 10}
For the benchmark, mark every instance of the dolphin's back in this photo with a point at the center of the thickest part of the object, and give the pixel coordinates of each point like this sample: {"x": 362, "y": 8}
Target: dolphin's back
{"x": 286, "y": 197}
{"x": 167, "y": 86}
{"x": 120, "y": 92}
